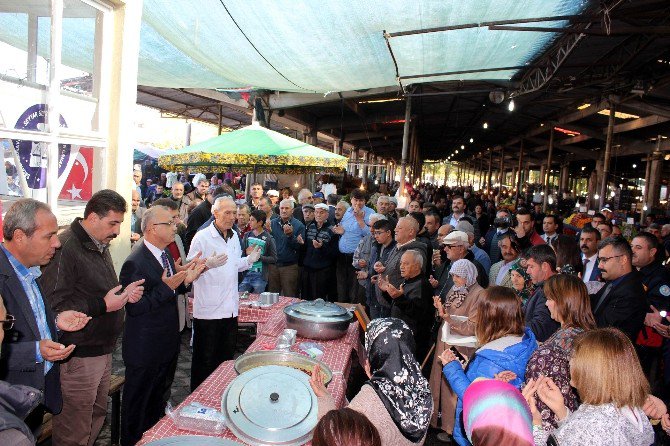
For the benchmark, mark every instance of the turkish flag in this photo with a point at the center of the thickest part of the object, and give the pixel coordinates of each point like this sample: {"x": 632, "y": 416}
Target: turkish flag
{"x": 79, "y": 183}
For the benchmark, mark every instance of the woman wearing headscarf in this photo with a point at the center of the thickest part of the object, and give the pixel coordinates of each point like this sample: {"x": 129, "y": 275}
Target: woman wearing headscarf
{"x": 521, "y": 281}
{"x": 495, "y": 413}
{"x": 460, "y": 301}
{"x": 396, "y": 398}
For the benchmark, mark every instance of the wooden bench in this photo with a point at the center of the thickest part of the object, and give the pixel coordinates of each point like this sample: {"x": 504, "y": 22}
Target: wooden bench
{"x": 115, "y": 384}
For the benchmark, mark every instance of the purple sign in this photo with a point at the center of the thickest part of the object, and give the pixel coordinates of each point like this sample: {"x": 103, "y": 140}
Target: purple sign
{"x": 33, "y": 155}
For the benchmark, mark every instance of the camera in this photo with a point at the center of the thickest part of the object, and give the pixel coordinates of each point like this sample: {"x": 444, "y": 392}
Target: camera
{"x": 502, "y": 222}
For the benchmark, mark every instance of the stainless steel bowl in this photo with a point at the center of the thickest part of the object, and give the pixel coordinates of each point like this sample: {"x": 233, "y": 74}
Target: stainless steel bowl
{"x": 252, "y": 360}
{"x": 318, "y": 319}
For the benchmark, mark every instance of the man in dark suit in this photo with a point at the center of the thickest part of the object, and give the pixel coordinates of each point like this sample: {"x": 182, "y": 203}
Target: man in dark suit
{"x": 31, "y": 351}
{"x": 541, "y": 265}
{"x": 151, "y": 333}
{"x": 588, "y": 244}
{"x": 622, "y": 302}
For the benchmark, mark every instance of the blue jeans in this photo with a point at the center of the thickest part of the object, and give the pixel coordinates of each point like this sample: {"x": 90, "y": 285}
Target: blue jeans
{"x": 253, "y": 281}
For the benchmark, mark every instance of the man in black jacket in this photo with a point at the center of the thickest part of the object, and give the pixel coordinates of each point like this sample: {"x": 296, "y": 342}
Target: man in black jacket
{"x": 541, "y": 265}
{"x": 95, "y": 291}
{"x": 199, "y": 216}
{"x": 622, "y": 302}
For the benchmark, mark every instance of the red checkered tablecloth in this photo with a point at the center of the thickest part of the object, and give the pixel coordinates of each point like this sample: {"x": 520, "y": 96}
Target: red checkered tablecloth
{"x": 337, "y": 356}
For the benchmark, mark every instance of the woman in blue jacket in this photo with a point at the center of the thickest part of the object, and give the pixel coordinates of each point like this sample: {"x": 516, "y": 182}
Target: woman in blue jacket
{"x": 506, "y": 345}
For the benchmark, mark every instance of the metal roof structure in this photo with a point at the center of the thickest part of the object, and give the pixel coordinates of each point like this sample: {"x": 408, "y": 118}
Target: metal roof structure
{"x": 614, "y": 53}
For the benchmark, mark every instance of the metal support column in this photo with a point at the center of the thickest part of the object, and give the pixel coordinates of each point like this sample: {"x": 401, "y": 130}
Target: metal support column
{"x": 518, "y": 183}
{"x": 608, "y": 154}
{"x": 405, "y": 147}
{"x": 547, "y": 170}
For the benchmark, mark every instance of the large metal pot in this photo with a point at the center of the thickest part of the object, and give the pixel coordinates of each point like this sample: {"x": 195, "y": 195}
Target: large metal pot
{"x": 251, "y": 360}
{"x": 318, "y": 319}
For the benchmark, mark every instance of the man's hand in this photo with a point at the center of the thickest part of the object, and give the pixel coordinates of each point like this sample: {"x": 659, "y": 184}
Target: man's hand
{"x": 115, "y": 301}
{"x": 215, "y": 261}
{"x": 53, "y": 351}
{"x": 652, "y": 318}
{"x": 300, "y": 240}
{"x": 174, "y": 280}
{"x": 482, "y": 241}
{"x": 361, "y": 275}
{"x": 317, "y": 244}
{"x": 433, "y": 282}
{"x": 70, "y": 320}
{"x": 379, "y": 267}
{"x": 288, "y": 230}
{"x": 316, "y": 382}
{"x": 362, "y": 263}
{"x": 134, "y": 236}
{"x": 393, "y": 291}
{"x": 135, "y": 290}
{"x": 654, "y": 408}
{"x": 268, "y": 225}
{"x": 179, "y": 267}
{"x": 374, "y": 278}
{"x": 437, "y": 257}
{"x": 193, "y": 273}
{"x": 255, "y": 255}
{"x": 337, "y": 229}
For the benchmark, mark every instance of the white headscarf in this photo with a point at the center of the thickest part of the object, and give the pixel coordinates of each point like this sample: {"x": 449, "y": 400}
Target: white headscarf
{"x": 465, "y": 269}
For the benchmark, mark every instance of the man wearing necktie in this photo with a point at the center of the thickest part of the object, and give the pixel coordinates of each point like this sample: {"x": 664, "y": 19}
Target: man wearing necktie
{"x": 622, "y": 302}
{"x": 151, "y": 332}
{"x": 549, "y": 227}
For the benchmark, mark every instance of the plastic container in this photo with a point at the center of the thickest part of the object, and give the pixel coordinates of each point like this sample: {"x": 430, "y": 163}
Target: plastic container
{"x": 197, "y": 418}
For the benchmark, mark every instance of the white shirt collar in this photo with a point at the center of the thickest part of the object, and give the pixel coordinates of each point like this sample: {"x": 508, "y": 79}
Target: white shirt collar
{"x": 156, "y": 251}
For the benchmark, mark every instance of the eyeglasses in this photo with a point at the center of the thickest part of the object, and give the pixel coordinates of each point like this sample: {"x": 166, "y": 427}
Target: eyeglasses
{"x": 450, "y": 246}
{"x": 379, "y": 232}
{"x": 8, "y": 323}
{"x": 607, "y": 259}
{"x": 172, "y": 223}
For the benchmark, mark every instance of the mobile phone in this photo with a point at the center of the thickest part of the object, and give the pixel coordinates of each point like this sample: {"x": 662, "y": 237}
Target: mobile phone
{"x": 458, "y": 355}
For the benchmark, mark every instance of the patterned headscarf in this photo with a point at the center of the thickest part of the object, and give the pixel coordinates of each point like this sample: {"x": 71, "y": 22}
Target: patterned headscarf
{"x": 467, "y": 270}
{"x": 495, "y": 413}
{"x": 397, "y": 378}
{"x": 528, "y": 287}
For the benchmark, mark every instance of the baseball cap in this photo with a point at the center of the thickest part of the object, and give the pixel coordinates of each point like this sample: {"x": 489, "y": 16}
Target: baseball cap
{"x": 322, "y": 206}
{"x": 272, "y": 193}
{"x": 466, "y": 227}
{"x": 456, "y": 238}
{"x": 393, "y": 200}
{"x": 308, "y": 206}
{"x": 318, "y": 195}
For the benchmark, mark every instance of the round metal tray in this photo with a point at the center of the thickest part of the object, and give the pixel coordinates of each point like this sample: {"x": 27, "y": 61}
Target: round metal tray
{"x": 271, "y": 405}
{"x": 252, "y": 360}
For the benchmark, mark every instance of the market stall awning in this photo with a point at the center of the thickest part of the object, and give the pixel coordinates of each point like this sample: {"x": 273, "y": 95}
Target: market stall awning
{"x": 253, "y": 148}
{"x": 315, "y": 46}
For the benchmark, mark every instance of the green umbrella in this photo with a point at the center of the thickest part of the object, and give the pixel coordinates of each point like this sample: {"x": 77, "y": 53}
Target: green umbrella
{"x": 253, "y": 148}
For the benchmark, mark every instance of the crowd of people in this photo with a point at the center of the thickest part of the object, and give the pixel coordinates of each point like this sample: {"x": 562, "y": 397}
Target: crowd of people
{"x": 563, "y": 327}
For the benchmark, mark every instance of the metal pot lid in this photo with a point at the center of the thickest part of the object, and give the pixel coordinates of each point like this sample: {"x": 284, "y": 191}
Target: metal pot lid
{"x": 271, "y": 405}
{"x": 251, "y": 360}
{"x": 319, "y": 311}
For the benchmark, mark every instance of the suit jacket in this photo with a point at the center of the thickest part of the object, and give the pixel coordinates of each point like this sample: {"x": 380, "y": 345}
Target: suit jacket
{"x": 537, "y": 316}
{"x": 624, "y": 307}
{"x": 151, "y": 332}
{"x": 18, "y": 363}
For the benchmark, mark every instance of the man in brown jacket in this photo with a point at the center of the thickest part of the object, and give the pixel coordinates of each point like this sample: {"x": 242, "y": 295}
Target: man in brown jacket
{"x": 81, "y": 277}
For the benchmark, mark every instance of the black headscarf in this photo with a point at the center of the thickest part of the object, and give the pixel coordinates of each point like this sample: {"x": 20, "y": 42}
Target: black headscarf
{"x": 397, "y": 378}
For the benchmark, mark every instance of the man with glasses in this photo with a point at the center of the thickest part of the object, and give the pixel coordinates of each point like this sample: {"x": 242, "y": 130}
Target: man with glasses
{"x": 31, "y": 351}
{"x": 622, "y": 302}
{"x": 382, "y": 230}
{"x": 151, "y": 333}
{"x": 95, "y": 291}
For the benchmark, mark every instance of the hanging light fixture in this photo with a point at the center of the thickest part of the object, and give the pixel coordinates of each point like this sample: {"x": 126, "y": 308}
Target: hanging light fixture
{"x": 510, "y": 106}
{"x": 472, "y": 140}
{"x": 596, "y": 196}
{"x": 462, "y": 147}
{"x": 296, "y": 185}
{"x": 486, "y": 125}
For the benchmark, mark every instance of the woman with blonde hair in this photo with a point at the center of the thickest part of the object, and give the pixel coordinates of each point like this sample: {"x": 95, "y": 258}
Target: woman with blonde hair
{"x": 506, "y": 345}
{"x": 458, "y": 311}
{"x": 607, "y": 375}
{"x": 570, "y": 306}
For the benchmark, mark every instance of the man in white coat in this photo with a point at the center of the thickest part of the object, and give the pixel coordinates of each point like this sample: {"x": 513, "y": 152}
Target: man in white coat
{"x": 216, "y": 300}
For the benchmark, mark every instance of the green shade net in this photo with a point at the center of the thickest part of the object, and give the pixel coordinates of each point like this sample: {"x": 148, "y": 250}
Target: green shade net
{"x": 313, "y": 46}
{"x": 253, "y": 148}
